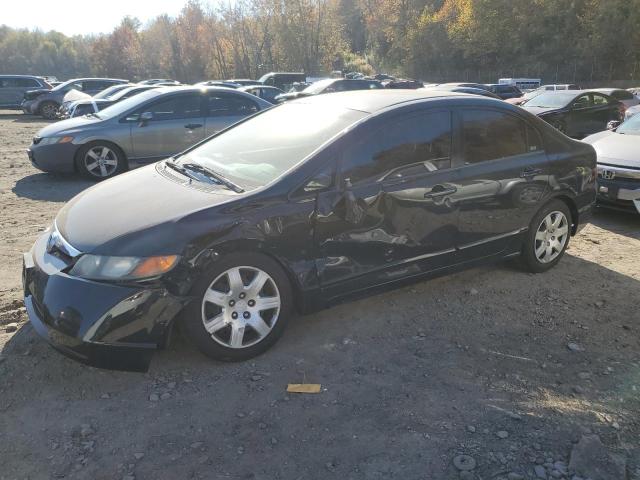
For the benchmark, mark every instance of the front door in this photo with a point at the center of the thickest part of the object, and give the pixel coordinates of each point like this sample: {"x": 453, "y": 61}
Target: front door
{"x": 390, "y": 216}
{"x": 503, "y": 175}
{"x": 173, "y": 124}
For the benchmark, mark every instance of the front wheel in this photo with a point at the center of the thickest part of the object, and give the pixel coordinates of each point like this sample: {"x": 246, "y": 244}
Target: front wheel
{"x": 242, "y": 308}
{"x": 547, "y": 238}
{"x": 49, "y": 110}
{"x": 99, "y": 161}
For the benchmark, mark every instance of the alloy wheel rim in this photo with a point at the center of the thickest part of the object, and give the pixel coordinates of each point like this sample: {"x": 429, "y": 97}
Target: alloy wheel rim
{"x": 101, "y": 161}
{"x": 48, "y": 110}
{"x": 241, "y": 307}
{"x": 551, "y": 237}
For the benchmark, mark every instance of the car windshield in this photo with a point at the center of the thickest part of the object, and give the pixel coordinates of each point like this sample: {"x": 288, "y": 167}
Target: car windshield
{"x": 107, "y": 92}
{"x": 63, "y": 86}
{"x": 127, "y": 104}
{"x": 259, "y": 150}
{"x": 631, "y": 126}
{"x": 551, "y": 100}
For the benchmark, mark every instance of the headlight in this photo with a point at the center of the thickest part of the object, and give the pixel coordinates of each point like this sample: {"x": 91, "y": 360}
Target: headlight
{"x": 52, "y": 140}
{"x": 98, "y": 267}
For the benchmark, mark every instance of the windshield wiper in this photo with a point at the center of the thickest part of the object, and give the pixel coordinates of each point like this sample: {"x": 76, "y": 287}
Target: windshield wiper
{"x": 213, "y": 174}
{"x": 178, "y": 168}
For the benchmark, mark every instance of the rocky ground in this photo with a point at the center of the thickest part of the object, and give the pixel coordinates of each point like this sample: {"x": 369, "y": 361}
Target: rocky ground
{"x": 488, "y": 374}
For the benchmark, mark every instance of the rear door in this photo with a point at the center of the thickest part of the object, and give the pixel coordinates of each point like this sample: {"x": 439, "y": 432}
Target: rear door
{"x": 605, "y": 109}
{"x": 390, "y": 216}
{"x": 6, "y": 91}
{"x": 177, "y": 123}
{"x": 223, "y": 109}
{"x": 502, "y": 177}
{"x": 581, "y": 116}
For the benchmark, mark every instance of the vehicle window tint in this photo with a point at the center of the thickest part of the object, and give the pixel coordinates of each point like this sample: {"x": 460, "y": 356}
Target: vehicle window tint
{"x": 21, "y": 83}
{"x": 582, "y": 102}
{"x": 622, "y": 95}
{"x": 323, "y": 180}
{"x": 489, "y": 135}
{"x": 534, "y": 140}
{"x": 268, "y": 94}
{"x": 600, "y": 99}
{"x": 220, "y": 105}
{"x": 175, "y": 107}
{"x": 404, "y": 147}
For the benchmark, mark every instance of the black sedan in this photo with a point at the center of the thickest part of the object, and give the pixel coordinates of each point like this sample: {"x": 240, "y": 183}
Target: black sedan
{"x": 299, "y": 207}
{"x": 576, "y": 113}
{"x": 330, "y": 85}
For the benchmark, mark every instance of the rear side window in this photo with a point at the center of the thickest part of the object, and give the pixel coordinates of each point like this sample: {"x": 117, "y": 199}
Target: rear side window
{"x": 175, "y": 108}
{"x": 490, "y": 135}
{"x": 622, "y": 95}
{"x": 600, "y": 99}
{"x": 220, "y": 105}
{"x": 19, "y": 83}
{"x": 407, "y": 146}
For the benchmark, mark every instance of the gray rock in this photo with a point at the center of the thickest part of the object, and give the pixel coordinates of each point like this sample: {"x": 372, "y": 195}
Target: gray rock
{"x": 590, "y": 458}
{"x": 556, "y": 474}
{"x": 105, "y": 396}
{"x": 171, "y": 385}
{"x": 274, "y": 441}
{"x": 165, "y": 396}
{"x": 502, "y": 434}
{"x": 128, "y": 477}
{"x": 86, "y": 430}
{"x": 473, "y": 291}
{"x": 154, "y": 397}
{"x": 138, "y": 456}
{"x": 466, "y": 475}
{"x": 464, "y": 462}
{"x": 515, "y": 476}
{"x": 256, "y": 378}
{"x": 540, "y": 472}
{"x": 584, "y": 375}
{"x": 574, "y": 347}
{"x": 197, "y": 445}
{"x": 577, "y": 389}
{"x": 471, "y": 428}
{"x": 11, "y": 327}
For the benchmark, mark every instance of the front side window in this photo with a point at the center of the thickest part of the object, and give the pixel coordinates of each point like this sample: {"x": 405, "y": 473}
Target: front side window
{"x": 405, "y": 147}
{"x": 221, "y": 105}
{"x": 582, "y": 102}
{"x": 489, "y": 135}
{"x": 174, "y": 108}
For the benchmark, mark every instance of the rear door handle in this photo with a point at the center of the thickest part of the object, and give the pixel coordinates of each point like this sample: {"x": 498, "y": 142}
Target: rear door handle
{"x": 440, "y": 191}
{"x": 192, "y": 126}
{"x": 530, "y": 172}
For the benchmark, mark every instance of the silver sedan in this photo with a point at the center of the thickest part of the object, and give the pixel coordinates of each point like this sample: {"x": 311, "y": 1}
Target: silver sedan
{"x": 148, "y": 127}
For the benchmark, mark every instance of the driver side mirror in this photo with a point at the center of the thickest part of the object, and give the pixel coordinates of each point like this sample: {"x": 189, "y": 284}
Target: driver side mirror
{"x": 146, "y": 116}
{"x": 613, "y": 125}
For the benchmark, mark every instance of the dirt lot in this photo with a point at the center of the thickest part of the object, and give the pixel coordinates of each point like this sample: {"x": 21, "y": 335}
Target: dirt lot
{"x": 507, "y": 368}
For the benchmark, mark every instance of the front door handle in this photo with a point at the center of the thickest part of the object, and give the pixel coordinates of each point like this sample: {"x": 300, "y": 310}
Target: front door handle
{"x": 440, "y": 191}
{"x": 530, "y": 172}
{"x": 192, "y": 126}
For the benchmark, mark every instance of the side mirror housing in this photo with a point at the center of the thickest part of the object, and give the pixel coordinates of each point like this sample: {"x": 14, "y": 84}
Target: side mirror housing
{"x": 146, "y": 116}
{"x": 613, "y": 124}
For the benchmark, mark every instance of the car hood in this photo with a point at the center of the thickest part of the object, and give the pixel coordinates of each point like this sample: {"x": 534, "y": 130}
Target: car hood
{"x": 69, "y": 126}
{"x": 541, "y": 110}
{"x": 74, "y": 94}
{"x": 616, "y": 149}
{"x": 140, "y": 213}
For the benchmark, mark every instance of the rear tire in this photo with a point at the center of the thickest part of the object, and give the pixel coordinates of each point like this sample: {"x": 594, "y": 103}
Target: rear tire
{"x": 100, "y": 160}
{"x": 547, "y": 238}
{"x": 49, "y": 110}
{"x": 241, "y": 307}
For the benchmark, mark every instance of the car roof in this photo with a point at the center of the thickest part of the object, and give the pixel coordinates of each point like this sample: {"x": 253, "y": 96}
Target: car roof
{"x": 370, "y": 101}
{"x": 607, "y": 90}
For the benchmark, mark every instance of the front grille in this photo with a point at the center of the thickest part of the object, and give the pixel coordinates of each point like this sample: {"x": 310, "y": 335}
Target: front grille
{"x": 36, "y": 140}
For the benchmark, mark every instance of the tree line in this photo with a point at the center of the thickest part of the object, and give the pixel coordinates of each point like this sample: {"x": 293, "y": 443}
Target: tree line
{"x": 586, "y": 41}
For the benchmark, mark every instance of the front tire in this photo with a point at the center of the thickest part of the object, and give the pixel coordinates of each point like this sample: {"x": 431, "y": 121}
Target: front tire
{"x": 49, "y": 110}
{"x": 100, "y": 160}
{"x": 242, "y": 307}
{"x": 547, "y": 238}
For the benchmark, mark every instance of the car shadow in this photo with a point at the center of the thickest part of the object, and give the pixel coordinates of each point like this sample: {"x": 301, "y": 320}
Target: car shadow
{"x": 419, "y": 362}
{"x": 19, "y": 117}
{"x": 50, "y": 187}
{"x": 622, "y": 223}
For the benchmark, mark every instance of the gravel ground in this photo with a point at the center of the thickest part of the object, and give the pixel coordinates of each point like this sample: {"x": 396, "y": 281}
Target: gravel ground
{"x": 488, "y": 374}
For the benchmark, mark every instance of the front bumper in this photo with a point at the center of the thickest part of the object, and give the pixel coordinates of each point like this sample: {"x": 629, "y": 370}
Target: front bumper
{"x": 621, "y": 192}
{"x": 101, "y": 324}
{"x": 59, "y": 157}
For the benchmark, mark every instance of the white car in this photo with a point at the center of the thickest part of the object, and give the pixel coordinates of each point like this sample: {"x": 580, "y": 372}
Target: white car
{"x": 625, "y": 96}
{"x": 630, "y": 112}
{"x": 618, "y": 153}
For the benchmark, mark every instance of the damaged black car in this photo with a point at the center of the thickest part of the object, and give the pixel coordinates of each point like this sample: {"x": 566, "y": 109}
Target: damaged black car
{"x": 296, "y": 208}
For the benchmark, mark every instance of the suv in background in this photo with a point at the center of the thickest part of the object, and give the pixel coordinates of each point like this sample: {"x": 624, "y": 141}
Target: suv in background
{"x": 13, "y": 88}
{"x": 626, "y": 97}
{"x": 505, "y": 92}
{"x": 47, "y": 102}
{"x": 282, "y": 80}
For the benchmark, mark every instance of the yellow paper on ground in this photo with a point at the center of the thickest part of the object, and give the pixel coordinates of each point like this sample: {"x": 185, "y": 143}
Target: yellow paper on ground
{"x": 303, "y": 388}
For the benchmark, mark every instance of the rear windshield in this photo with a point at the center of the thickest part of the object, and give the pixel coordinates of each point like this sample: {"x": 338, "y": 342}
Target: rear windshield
{"x": 551, "y": 100}
{"x": 259, "y": 150}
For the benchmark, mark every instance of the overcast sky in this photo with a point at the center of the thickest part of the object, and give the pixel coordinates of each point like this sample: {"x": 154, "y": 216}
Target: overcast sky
{"x": 73, "y": 17}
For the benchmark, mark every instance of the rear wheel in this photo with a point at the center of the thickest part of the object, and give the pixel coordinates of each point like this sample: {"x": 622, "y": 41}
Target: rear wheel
{"x": 547, "y": 238}
{"x": 100, "y": 160}
{"x": 243, "y": 306}
{"x": 49, "y": 110}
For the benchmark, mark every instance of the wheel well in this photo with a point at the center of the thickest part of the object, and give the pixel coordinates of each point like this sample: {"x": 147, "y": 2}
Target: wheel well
{"x": 573, "y": 209}
{"x": 44, "y": 102}
{"x": 111, "y": 144}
